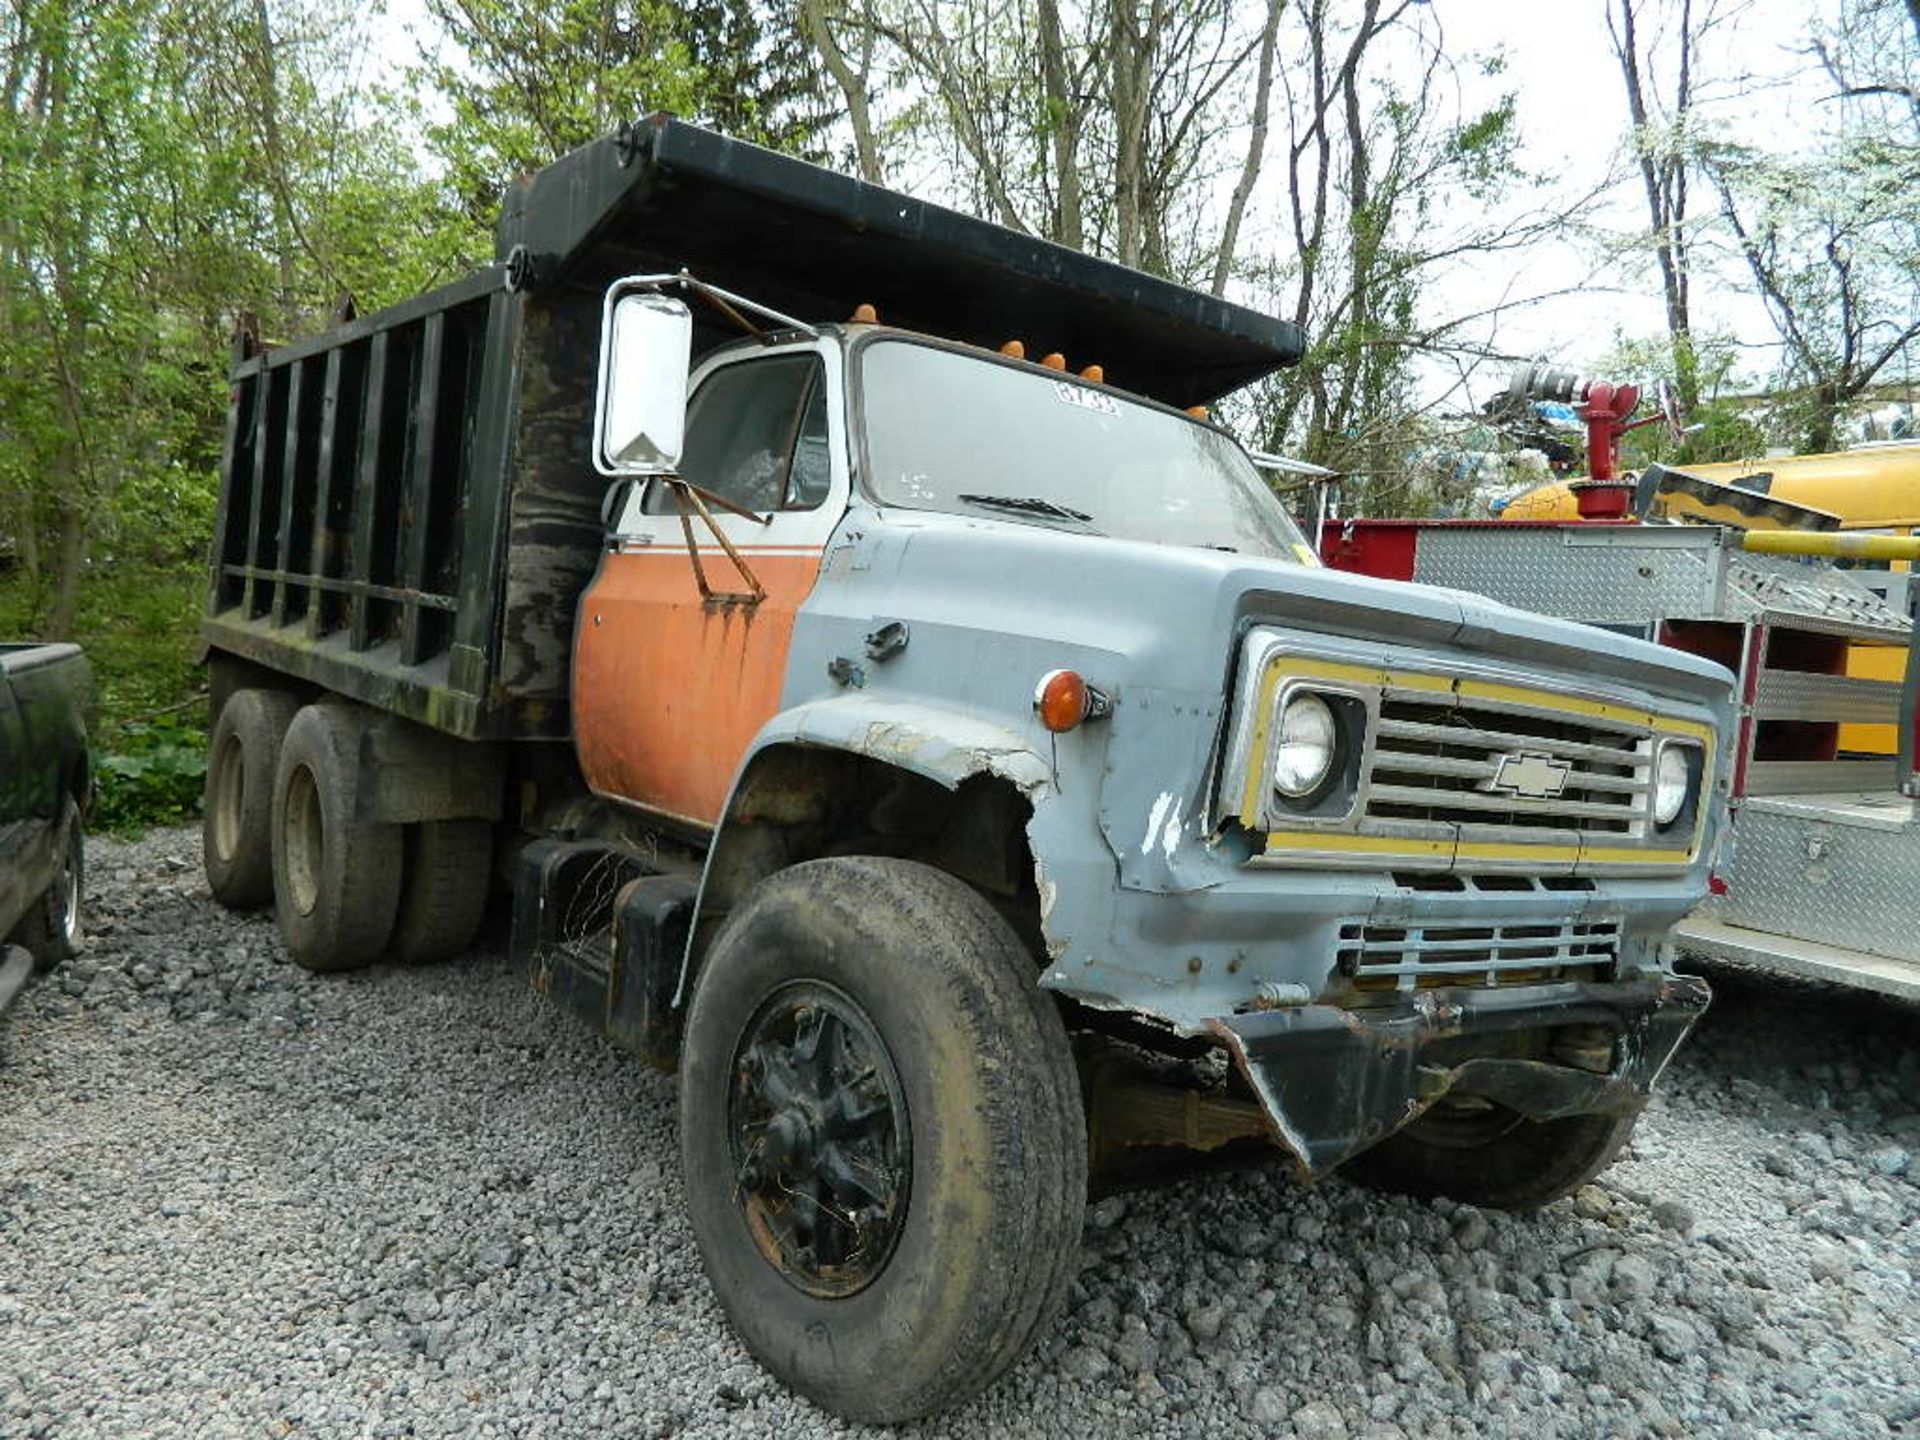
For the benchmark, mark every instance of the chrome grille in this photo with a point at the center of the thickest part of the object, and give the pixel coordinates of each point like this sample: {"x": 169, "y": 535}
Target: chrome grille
{"x": 1488, "y": 952}
{"x": 1433, "y": 768}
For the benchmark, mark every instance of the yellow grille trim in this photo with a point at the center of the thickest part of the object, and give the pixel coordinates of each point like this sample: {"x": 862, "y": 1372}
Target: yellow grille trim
{"x": 1290, "y": 668}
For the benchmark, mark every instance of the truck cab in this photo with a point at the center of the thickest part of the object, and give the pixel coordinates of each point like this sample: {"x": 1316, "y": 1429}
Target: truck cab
{"x": 946, "y": 754}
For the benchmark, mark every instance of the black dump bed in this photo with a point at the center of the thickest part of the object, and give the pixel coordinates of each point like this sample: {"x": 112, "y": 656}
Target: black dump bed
{"x": 408, "y": 506}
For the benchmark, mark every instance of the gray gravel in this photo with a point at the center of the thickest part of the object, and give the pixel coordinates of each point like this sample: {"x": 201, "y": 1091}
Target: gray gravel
{"x": 239, "y": 1200}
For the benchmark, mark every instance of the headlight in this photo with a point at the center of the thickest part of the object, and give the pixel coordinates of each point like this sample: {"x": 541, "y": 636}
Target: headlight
{"x": 1304, "y": 754}
{"x": 1672, "y": 780}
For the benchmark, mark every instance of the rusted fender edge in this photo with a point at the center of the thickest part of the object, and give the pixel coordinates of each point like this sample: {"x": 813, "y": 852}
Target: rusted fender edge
{"x": 944, "y": 745}
{"x": 1334, "y": 1081}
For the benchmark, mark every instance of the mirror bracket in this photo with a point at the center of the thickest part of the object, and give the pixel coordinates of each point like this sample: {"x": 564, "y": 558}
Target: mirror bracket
{"x": 688, "y": 497}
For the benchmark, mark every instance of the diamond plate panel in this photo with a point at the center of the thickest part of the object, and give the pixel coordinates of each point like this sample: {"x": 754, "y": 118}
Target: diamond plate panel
{"x": 1804, "y": 695}
{"x": 1809, "y": 875}
{"x": 1608, "y": 575}
{"x": 1611, "y": 584}
{"x": 1782, "y": 588}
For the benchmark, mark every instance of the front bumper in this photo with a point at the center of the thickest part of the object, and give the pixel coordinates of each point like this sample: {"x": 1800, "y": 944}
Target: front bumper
{"x": 1335, "y": 1081}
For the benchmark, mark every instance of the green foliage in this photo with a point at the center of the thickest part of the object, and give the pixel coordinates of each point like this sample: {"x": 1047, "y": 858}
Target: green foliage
{"x": 155, "y": 774}
{"x": 166, "y": 167}
{"x": 525, "y": 81}
{"x": 1727, "y": 425}
{"x": 139, "y": 624}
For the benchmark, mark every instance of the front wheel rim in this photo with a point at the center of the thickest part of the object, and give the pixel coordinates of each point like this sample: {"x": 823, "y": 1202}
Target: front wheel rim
{"x": 818, "y": 1136}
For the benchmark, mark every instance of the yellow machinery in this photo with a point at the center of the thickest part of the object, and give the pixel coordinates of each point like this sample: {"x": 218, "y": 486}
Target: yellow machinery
{"x": 1876, "y": 487}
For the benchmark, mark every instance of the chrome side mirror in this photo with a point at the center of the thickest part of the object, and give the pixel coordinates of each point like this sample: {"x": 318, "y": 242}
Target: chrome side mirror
{"x": 640, "y": 405}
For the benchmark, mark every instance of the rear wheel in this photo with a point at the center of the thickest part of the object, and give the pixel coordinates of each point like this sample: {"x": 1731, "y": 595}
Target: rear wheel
{"x": 52, "y": 928}
{"x": 1485, "y": 1154}
{"x": 236, "y": 829}
{"x": 881, "y": 1134}
{"x": 444, "y": 894}
{"x": 336, "y": 876}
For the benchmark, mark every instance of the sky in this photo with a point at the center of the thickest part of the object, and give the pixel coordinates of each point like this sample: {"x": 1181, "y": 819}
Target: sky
{"x": 1572, "y": 112}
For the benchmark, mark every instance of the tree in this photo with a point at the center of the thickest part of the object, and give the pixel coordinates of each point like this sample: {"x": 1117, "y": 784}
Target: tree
{"x": 526, "y": 81}
{"x": 851, "y": 68}
{"x": 1829, "y": 236}
{"x": 1872, "y": 54}
{"x": 1390, "y": 184}
{"x": 165, "y": 166}
{"x": 1832, "y": 246}
{"x": 1102, "y": 126}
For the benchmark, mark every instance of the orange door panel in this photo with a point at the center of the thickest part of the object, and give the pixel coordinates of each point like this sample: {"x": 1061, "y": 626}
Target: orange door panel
{"x": 669, "y": 687}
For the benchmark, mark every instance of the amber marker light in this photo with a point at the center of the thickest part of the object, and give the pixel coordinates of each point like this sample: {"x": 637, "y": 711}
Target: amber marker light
{"x": 1061, "y": 699}
{"x": 1014, "y": 350}
{"x": 1054, "y": 361}
{"x": 864, "y": 314}
{"x": 1096, "y": 373}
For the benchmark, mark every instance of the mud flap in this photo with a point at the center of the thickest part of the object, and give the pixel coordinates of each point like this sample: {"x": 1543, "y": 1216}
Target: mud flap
{"x": 1334, "y": 1081}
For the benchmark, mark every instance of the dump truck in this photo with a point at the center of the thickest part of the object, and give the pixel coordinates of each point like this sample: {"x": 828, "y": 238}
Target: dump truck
{"x": 946, "y": 754}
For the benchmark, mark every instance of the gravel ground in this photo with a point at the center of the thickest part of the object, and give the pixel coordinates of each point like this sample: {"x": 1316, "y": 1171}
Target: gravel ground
{"x": 239, "y": 1200}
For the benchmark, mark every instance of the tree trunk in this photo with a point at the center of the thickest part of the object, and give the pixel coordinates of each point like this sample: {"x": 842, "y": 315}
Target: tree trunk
{"x": 71, "y": 544}
{"x": 1063, "y": 129}
{"x": 852, "y": 85}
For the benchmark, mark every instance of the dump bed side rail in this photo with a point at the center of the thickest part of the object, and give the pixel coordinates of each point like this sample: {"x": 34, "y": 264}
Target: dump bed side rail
{"x": 360, "y": 521}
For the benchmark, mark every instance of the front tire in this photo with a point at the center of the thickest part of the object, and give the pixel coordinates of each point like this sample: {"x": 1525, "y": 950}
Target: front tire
{"x": 882, "y": 1139}
{"x": 1491, "y": 1157}
{"x": 336, "y": 876}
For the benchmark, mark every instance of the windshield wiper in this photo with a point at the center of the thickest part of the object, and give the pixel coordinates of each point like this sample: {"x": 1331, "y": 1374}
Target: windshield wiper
{"x": 1028, "y": 505}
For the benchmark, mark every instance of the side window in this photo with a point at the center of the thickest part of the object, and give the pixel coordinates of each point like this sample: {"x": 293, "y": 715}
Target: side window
{"x": 812, "y": 470}
{"x": 757, "y": 435}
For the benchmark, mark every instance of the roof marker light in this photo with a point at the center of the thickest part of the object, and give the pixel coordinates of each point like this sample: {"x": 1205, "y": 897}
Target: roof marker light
{"x": 1054, "y": 360}
{"x": 1014, "y": 350}
{"x": 864, "y": 314}
{"x": 1096, "y": 373}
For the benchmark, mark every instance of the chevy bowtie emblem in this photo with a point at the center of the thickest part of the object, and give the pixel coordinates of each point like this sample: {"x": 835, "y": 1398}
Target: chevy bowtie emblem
{"x": 1530, "y": 775}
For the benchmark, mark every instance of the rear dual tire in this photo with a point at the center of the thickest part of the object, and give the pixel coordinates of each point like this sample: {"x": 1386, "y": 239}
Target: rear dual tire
{"x": 345, "y": 890}
{"x": 336, "y": 875}
{"x": 236, "y": 826}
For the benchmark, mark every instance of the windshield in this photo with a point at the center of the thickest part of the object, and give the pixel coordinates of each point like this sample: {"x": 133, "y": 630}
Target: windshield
{"x": 950, "y": 431}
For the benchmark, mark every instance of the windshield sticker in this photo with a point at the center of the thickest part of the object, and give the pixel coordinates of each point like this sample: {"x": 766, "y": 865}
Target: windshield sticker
{"x": 1085, "y": 398}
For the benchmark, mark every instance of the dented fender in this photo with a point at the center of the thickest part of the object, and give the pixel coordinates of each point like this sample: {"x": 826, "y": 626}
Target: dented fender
{"x": 945, "y": 745}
